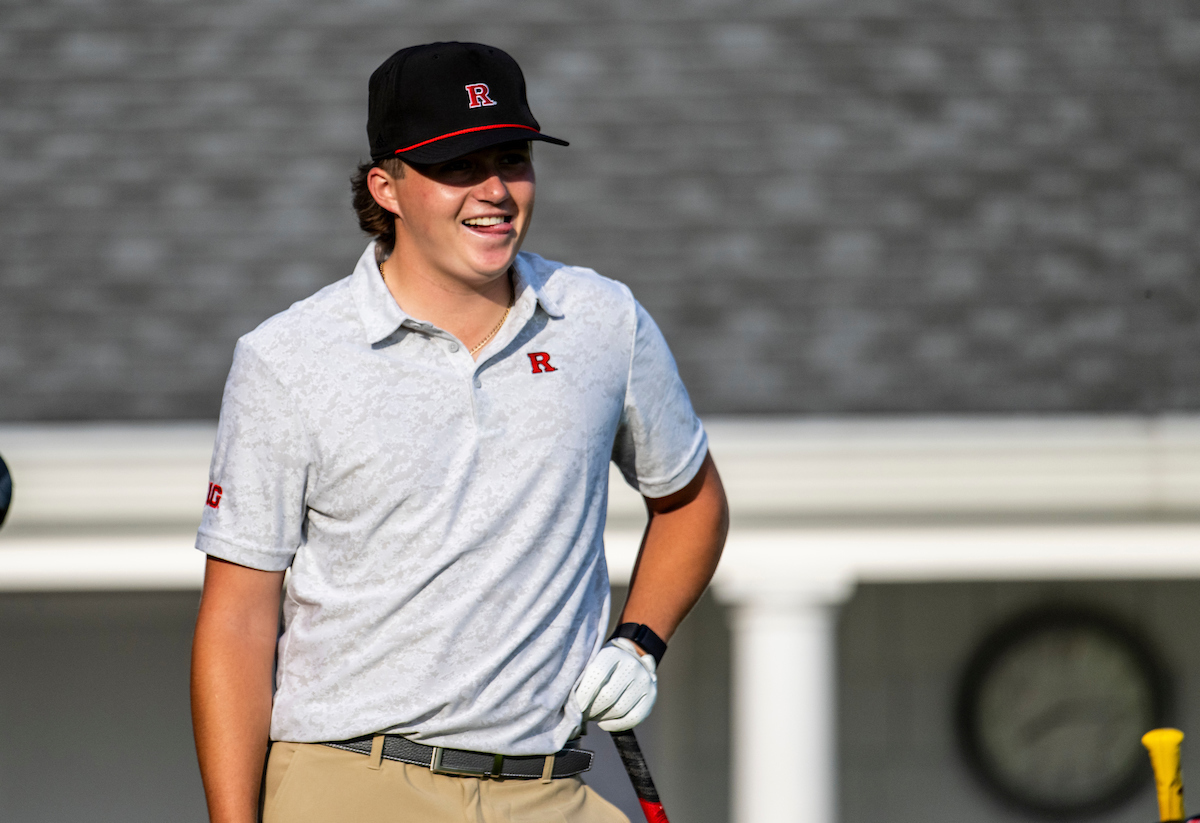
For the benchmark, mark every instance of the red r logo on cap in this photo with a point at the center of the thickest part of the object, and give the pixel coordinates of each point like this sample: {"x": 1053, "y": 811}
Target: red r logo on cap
{"x": 477, "y": 95}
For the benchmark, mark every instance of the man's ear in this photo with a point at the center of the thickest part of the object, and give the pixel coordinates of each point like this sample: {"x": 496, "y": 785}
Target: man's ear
{"x": 383, "y": 188}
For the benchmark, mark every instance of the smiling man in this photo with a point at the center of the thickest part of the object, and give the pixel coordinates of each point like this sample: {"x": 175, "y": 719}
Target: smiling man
{"x": 425, "y": 445}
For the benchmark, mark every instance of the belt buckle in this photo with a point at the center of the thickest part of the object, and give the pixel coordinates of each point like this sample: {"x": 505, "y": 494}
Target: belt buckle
{"x": 435, "y": 766}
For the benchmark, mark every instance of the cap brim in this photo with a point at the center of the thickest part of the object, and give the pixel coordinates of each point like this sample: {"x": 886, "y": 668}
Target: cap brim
{"x": 447, "y": 148}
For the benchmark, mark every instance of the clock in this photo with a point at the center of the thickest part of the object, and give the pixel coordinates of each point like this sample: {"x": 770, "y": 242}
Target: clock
{"x": 1051, "y": 710}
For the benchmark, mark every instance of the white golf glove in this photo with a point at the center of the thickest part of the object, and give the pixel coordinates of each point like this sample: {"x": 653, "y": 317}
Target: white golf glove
{"x": 618, "y": 688}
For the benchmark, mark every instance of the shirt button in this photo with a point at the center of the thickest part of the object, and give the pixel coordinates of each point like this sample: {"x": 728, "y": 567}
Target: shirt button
{"x": 453, "y": 347}
{"x": 478, "y": 383}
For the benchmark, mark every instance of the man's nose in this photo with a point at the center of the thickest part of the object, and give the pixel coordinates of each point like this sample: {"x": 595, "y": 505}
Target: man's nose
{"x": 492, "y": 187}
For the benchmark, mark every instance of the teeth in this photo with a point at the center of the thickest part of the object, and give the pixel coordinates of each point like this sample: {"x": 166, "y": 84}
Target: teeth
{"x": 486, "y": 221}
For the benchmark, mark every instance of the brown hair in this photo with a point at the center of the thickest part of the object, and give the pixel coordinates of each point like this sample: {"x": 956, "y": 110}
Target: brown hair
{"x": 373, "y": 218}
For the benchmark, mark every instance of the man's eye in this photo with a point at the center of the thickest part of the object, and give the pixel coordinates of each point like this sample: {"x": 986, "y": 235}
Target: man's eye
{"x": 454, "y": 167}
{"x": 514, "y": 159}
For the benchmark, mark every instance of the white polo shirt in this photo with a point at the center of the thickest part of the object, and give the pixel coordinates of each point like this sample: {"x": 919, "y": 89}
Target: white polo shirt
{"x": 443, "y": 518}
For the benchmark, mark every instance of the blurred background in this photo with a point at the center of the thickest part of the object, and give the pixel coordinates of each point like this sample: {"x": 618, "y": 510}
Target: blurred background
{"x": 929, "y": 272}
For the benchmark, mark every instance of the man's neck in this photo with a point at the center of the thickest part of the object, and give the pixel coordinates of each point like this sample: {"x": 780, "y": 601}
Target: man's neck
{"x": 469, "y": 311}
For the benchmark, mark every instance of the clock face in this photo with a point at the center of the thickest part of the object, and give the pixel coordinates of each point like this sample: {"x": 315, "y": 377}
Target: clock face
{"x": 1053, "y": 708}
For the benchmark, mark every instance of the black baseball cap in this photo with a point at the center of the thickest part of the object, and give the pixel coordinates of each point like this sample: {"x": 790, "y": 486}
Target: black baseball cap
{"x": 435, "y": 102}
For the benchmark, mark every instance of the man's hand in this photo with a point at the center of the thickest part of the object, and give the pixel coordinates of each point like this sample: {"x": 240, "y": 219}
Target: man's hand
{"x": 680, "y": 550}
{"x": 232, "y": 658}
{"x": 618, "y": 687}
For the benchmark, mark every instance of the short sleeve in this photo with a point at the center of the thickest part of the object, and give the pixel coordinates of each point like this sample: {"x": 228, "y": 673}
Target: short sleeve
{"x": 660, "y": 443}
{"x": 261, "y": 466}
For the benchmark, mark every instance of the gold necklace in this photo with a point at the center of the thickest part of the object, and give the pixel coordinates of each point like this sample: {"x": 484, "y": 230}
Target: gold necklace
{"x": 499, "y": 325}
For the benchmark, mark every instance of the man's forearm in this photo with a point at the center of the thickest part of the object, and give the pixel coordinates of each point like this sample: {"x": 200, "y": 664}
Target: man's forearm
{"x": 232, "y": 658}
{"x": 680, "y": 550}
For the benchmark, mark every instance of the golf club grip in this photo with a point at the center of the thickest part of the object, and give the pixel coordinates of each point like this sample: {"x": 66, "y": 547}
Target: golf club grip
{"x": 639, "y": 776}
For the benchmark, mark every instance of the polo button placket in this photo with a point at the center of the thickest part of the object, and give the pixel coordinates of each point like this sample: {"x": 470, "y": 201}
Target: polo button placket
{"x": 522, "y": 310}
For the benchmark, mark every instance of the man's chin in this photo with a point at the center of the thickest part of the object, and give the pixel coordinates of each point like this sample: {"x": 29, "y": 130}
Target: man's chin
{"x": 493, "y": 268}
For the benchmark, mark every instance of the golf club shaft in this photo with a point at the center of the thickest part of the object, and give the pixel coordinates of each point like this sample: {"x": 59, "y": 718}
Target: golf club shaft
{"x": 639, "y": 776}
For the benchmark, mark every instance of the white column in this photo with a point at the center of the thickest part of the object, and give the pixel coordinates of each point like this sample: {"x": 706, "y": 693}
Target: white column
{"x": 784, "y": 707}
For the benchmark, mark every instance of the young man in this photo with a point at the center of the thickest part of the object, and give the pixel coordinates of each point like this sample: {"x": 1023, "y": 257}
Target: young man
{"x": 425, "y": 444}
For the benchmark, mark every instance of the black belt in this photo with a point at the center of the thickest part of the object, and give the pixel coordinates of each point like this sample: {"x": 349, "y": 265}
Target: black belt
{"x": 566, "y": 763}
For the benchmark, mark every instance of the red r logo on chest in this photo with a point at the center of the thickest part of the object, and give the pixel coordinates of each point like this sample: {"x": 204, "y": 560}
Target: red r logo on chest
{"x": 540, "y": 361}
{"x": 214, "y": 495}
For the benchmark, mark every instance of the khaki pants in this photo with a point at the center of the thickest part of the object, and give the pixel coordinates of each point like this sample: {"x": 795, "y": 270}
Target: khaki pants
{"x": 311, "y": 783}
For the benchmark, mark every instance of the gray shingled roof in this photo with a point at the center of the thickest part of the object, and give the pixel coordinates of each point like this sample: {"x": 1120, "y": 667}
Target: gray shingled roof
{"x": 871, "y": 206}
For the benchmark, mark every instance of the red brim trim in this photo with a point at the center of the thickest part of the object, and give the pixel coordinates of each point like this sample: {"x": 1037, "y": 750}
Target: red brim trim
{"x": 465, "y": 131}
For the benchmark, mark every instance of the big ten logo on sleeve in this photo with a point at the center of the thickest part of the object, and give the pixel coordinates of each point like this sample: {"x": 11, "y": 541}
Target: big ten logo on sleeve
{"x": 214, "y": 495}
{"x": 478, "y": 94}
{"x": 540, "y": 361}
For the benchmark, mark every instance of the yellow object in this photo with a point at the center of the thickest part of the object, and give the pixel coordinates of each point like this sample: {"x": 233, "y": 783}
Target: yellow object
{"x": 1163, "y": 745}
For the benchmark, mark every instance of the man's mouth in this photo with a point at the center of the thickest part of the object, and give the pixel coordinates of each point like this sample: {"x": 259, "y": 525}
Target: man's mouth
{"x": 481, "y": 222}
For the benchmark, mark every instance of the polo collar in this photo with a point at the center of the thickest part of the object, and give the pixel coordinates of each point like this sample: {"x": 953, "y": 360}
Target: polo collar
{"x": 529, "y": 277}
{"x": 382, "y": 316}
